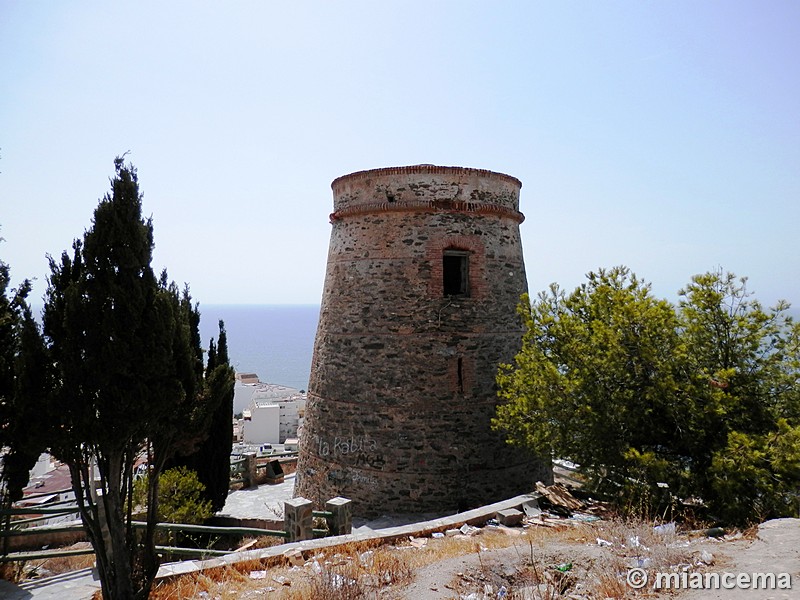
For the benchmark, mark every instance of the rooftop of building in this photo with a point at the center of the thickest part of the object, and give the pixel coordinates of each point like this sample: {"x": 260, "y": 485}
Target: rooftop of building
{"x": 55, "y": 480}
{"x": 273, "y": 391}
{"x": 247, "y": 378}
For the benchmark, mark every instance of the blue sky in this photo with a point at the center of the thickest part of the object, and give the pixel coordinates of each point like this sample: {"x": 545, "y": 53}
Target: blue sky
{"x": 660, "y": 135}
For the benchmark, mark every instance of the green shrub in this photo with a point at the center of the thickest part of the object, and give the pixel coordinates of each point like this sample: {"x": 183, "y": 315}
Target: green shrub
{"x": 180, "y": 497}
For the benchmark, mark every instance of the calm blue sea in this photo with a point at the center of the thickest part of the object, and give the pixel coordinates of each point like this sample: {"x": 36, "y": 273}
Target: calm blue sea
{"x": 274, "y": 341}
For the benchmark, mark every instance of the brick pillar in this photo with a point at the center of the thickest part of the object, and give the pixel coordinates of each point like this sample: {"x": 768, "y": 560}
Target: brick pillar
{"x": 250, "y": 472}
{"x": 341, "y": 522}
{"x": 298, "y": 519}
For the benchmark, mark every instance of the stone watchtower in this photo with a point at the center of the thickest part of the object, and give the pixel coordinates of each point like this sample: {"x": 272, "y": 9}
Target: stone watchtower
{"x": 424, "y": 275}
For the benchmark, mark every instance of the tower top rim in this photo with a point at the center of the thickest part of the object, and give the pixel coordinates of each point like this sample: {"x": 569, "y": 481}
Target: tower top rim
{"x": 424, "y": 169}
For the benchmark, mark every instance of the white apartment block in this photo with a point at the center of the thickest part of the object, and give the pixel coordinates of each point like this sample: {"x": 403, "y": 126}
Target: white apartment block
{"x": 274, "y": 414}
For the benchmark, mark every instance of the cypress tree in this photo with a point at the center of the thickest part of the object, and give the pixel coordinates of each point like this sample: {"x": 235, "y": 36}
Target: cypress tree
{"x": 23, "y": 387}
{"x": 211, "y": 457}
{"x": 217, "y": 449}
{"x": 122, "y": 342}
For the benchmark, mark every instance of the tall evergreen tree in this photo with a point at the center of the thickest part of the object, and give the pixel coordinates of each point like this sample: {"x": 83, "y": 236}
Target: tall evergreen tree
{"x": 23, "y": 385}
{"x": 217, "y": 449}
{"x": 9, "y": 349}
{"x": 211, "y": 458}
{"x": 127, "y": 379}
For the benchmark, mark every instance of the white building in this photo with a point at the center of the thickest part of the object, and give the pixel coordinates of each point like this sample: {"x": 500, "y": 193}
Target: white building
{"x": 274, "y": 414}
{"x": 243, "y": 390}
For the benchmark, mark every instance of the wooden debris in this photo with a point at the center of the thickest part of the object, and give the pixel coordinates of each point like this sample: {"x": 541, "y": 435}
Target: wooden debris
{"x": 246, "y": 546}
{"x": 558, "y": 495}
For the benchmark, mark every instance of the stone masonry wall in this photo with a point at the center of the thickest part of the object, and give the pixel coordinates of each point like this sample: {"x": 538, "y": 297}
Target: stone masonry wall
{"x": 402, "y": 386}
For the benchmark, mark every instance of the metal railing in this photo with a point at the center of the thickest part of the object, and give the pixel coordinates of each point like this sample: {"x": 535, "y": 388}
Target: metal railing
{"x": 175, "y": 527}
{"x": 20, "y": 527}
{"x": 321, "y": 514}
{"x": 237, "y": 470}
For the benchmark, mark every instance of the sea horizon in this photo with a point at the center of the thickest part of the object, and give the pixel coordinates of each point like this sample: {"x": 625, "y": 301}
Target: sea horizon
{"x": 275, "y": 341}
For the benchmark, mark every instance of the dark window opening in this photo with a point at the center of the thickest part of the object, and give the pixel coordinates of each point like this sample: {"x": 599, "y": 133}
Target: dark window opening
{"x": 456, "y": 273}
{"x": 460, "y": 375}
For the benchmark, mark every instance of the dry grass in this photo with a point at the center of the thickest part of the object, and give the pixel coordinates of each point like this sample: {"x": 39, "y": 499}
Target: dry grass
{"x": 264, "y": 541}
{"x": 639, "y": 542}
{"x": 441, "y": 549}
{"x": 353, "y": 571}
{"x": 45, "y": 567}
{"x": 572, "y": 564}
{"x": 538, "y": 563}
{"x": 65, "y": 564}
{"x": 11, "y": 571}
{"x": 548, "y": 564}
{"x": 358, "y": 570}
{"x": 216, "y": 583}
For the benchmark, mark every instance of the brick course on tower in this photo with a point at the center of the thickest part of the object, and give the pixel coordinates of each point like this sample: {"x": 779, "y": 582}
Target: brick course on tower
{"x": 424, "y": 275}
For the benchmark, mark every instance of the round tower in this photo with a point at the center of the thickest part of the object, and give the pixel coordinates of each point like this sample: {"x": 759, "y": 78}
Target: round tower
{"x": 424, "y": 275}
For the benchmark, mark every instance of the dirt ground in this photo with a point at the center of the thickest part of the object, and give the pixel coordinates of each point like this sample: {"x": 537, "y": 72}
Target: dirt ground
{"x": 576, "y": 561}
{"x": 528, "y": 570}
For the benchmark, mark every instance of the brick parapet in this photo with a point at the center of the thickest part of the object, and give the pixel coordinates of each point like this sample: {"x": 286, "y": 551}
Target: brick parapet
{"x": 337, "y": 183}
{"x": 426, "y": 189}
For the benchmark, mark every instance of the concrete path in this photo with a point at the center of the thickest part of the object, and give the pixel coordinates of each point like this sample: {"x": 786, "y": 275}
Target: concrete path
{"x": 775, "y": 550}
{"x": 262, "y": 502}
{"x": 266, "y": 502}
{"x": 76, "y": 585}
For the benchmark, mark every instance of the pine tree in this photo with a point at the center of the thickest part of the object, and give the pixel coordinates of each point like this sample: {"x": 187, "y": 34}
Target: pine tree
{"x": 703, "y": 396}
